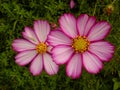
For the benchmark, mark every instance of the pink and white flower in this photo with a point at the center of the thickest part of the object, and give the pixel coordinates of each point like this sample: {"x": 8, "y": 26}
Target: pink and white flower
{"x": 80, "y": 43}
{"x": 35, "y": 50}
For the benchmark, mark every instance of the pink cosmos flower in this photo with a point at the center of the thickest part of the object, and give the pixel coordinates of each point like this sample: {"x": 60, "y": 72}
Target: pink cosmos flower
{"x": 80, "y": 43}
{"x": 35, "y": 50}
{"x": 72, "y": 4}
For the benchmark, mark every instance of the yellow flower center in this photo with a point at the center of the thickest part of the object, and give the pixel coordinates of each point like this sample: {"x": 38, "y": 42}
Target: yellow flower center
{"x": 80, "y": 44}
{"x": 41, "y": 48}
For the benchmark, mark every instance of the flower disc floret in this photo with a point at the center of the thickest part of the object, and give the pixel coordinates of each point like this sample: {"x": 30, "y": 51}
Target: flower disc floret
{"x": 41, "y": 48}
{"x": 80, "y": 44}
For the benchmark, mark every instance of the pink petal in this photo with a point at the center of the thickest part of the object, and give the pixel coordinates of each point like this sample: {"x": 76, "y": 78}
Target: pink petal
{"x": 92, "y": 63}
{"x": 57, "y": 37}
{"x": 30, "y": 35}
{"x": 74, "y": 66}
{"x": 22, "y": 45}
{"x": 84, "y": 24}
{"x": 49, "y": 48}
{"x": 36, "y": 65}
{"x": 72, "y": 4}
{"x": 50, "y": 66}
{"x": 23, "y": 58}
{"x": 61, "y": 54}
{"x": 91, "y": 21}
{"x": 42, "y": 29}
{"x": 68, "y": 25}
{"x": 102, "y": 49}
{"x": 81, "y": 23}
{"x": 99, "y": 31}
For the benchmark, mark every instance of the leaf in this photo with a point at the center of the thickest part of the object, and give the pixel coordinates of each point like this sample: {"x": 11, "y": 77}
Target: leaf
{"x": 116, "y": 86}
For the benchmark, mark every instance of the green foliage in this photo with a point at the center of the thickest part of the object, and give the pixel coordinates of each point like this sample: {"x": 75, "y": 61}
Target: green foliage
{"x": 16, "y": 14}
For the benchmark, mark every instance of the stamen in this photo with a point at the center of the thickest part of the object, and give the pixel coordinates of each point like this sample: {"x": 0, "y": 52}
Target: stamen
{"x": 80, "y": 44}
{"x": 41, "y": 48}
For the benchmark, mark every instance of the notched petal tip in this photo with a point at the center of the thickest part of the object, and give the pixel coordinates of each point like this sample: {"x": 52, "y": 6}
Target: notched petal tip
{"x": 68, "y": 25}
{"x": 50, "y": 67}
{"x": 36, "y": 66}
{"x": 25, "y": 57}
{"x": 99, "y": 31}
{"x": 74, "y": 66}
{"x": 92, "y": 63}
{"x": 42, "y": 29}
{"x": 103, "y": 49}
{"x": 27, "y": 28}
{"x": 22, "y": 45}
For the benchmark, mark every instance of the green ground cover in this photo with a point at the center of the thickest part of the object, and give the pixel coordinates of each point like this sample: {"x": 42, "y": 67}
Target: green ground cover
{"x": 16, "y": 14}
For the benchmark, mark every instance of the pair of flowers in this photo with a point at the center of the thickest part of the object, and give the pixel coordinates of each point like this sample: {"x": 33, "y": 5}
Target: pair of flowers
{"x": 78, "y": 43}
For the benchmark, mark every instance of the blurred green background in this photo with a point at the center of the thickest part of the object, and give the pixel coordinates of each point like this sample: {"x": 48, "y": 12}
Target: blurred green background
{"x": 16, "y": 14}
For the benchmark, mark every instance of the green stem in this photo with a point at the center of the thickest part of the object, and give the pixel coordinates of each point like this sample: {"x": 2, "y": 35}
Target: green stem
{"x": 95, "y": 8}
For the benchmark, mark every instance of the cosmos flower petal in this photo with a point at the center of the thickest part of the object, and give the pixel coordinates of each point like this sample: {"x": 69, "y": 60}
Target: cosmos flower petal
{"x": 49, "y": 48}
{"x": 81, "y": 23}
{"x": 25, "y": 57}
{"x": 74, "y": 66}
{"x": 30, "y": 35}
{"x": 68, "y": 25}
{"x": 36, "y": 65}
{"x": 42, "y": 29}
{"x": 57, "y": 37}
{"x": 22, "y": 45}
{"x": 91, "y": 21}
{"x": 99, "y": 31}
{"x": 50, "y": 66}
{"x": 92, "y": 63}
{"x": 61, "y": 54}
{"x": 104, "y": 50}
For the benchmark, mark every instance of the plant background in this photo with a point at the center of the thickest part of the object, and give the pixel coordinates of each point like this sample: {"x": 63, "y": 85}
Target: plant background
{"x": 16, "y": 14}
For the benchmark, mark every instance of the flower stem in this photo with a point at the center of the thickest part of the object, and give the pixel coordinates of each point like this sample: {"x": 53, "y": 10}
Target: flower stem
{"x": 95, "y": 8}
